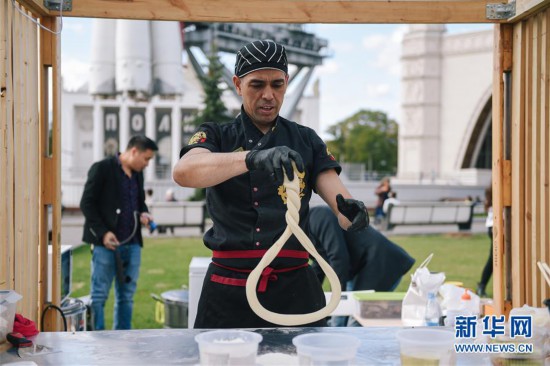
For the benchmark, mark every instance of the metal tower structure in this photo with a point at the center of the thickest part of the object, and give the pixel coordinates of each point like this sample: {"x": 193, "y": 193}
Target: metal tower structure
{"x": 304, "y": 50}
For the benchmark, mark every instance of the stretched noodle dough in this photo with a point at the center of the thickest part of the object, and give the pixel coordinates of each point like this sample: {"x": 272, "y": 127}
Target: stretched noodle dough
{"x": 292, "y": 217}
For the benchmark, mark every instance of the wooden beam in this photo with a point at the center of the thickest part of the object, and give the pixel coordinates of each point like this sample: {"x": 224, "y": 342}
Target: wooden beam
{"x": 534, "y": 103}
{"x": 503, "y": 43}
{"x": 519, "y": 164}
{"x": 525, "y": 8}
{"x": 528, "y": 163}
{"x": 288, "y": 11}
{"x": 50, "y": 168}
{"x": 545, "y": 142}
{"x": 34, "y": 6}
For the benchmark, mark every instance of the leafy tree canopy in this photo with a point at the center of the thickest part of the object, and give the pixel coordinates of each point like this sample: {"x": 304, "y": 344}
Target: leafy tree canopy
{"x": 214, "y": 108}
{"x": 367, "y": 137}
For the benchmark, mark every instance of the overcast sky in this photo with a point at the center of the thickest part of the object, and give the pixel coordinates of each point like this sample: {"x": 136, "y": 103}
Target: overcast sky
{"x": 363, "y": 71}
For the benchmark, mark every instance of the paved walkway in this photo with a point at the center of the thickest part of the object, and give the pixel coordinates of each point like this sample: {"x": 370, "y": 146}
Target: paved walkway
{"x": 71, "y": 230}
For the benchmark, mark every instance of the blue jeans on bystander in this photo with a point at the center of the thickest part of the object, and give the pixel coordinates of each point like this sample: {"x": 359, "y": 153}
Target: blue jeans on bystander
{"x": 104, "y": 270}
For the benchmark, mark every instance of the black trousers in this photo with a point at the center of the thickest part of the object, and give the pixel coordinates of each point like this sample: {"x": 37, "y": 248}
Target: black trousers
{"x": 226, "y": 306}
{"x": 488, "y": 269}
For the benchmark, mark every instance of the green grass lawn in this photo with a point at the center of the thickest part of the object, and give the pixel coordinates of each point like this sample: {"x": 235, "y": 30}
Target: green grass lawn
{"x": 165, "y": 266}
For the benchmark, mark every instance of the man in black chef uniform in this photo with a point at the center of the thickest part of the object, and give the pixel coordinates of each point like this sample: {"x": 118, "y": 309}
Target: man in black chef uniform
{"x": 241, "y": 165}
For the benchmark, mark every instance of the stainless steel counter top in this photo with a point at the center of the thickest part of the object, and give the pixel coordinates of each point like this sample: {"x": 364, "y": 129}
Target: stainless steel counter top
{"x": 379, "y": 346}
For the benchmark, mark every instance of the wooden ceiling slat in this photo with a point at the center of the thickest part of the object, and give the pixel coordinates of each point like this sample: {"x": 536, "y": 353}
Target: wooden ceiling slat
{"x": 284, "y": 11}
{"x": 34, "y": 6}
{"x": 525, "y": 8}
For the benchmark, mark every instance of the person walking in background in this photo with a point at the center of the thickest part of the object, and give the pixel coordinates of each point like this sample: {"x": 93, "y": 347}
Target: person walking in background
{"x": 113, "y": 204}
{"x": 391, "y": 200}
{"x": 241, "y": 163}
{"x": 149, "y": 196}
{"x": 382, "y": 192}
{"x": 488, "y": 269}
{"x": 169, "y": 196}
{"x": 363, "y": 260}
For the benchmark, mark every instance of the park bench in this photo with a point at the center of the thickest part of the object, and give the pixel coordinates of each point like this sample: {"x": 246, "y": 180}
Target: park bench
{"x": 178, "y": 214}
{"x": 430, "y": 213}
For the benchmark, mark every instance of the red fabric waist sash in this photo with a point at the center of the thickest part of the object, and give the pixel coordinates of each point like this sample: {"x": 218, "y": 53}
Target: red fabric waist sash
{"x": 259, "y": 253}
{"x": 268, "y": 274}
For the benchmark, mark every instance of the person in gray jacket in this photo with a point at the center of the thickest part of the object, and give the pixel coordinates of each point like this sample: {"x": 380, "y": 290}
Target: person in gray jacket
{"x": 363, "y": 260}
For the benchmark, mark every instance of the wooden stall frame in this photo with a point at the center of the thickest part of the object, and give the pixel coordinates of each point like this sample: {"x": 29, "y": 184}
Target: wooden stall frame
{"x": 530, "y": 157}
{"x": 283, "y": 11}
{"x": 30, "y": 180}
{"x": 6, "y": 155}
{"x": 514, "y": 180}
{"x": 518, "y": 154}
{"x": 50, "y": 168}
{"x": 502, "y": 63}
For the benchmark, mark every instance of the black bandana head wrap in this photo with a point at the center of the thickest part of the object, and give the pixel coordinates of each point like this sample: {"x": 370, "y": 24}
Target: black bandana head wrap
{"x": 260, "y": 55}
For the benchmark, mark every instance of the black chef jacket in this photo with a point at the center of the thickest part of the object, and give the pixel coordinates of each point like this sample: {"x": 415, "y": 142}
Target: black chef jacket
{"x": 248, "y": 211}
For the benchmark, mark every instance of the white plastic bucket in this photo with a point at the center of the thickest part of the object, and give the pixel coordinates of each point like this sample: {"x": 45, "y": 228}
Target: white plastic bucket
{"x": 326, "y": 349}
{"x": 426, "y": 346}
{"x": 228, "y": 347}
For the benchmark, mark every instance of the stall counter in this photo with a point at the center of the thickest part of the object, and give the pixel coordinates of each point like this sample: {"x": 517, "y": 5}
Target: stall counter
{"x": 379, "y": 346}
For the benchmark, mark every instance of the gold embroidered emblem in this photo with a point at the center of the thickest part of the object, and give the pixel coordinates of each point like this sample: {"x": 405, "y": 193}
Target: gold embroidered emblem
{"x": 199, "y": 137}
{"x": 281, "y": 191}
{"x": 331, "y": 157}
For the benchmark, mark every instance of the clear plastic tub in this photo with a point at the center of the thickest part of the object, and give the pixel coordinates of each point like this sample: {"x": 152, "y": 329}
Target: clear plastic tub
{"x": 228, "y": 347}
{"x": 426, "y": 346}
{"x": 8, "y": 303}
{"x": 326, "y": 349}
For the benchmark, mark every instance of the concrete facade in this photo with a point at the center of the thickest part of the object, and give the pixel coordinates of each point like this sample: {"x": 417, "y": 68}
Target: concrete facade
{"x": 446, "y": 93}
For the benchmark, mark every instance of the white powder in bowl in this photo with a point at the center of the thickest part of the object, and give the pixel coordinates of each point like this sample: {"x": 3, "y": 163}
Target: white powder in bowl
{"x": 234, "y": 340}
{"x": 277, "y": 359}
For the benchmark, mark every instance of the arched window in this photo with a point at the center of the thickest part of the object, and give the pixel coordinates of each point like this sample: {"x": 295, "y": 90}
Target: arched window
{"x": 479, "y": 152}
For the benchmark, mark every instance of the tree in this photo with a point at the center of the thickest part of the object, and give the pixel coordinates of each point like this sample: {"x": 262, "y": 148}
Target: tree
{"x": 367, "y": 137}
{"x": 214, "y": 109}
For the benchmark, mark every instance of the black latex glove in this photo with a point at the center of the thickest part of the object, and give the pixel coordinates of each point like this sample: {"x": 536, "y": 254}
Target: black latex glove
{"x": 274, "y": 160}
{"x": 355, "y": 211}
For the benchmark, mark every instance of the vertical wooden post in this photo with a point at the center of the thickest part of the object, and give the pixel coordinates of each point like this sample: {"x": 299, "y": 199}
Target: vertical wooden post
{"x": 50, "y": 167}
{"x": 534, "y": 278}
{"x": 501, "y": 167}
{"x": 518, "y": 166}
{"x": 6, "y": 148}
{"x": 545, "y": 142}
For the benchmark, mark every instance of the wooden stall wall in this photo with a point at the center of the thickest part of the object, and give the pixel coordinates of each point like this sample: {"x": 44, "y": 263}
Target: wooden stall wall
{"x": 24, "y": 120}
{"x": 530, "y": 137}
{"x": 6, "y": 150}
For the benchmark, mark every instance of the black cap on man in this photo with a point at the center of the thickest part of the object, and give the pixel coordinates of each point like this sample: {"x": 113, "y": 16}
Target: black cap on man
{"x": 259, "y": 55}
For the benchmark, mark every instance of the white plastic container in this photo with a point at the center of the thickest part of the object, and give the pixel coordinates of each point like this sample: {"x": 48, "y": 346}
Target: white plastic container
{"x": 326, "y": 349}
{"x": 228, "y": 347}
{"x": 197, "y": 272}
{"x": 426, "y": 346}
{"x": 8, "y": 302}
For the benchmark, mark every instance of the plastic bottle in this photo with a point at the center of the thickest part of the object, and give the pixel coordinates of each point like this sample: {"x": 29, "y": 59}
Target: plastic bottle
{"x": 433, "y": 311}
{"x": 466, "y": 303}
{"x": 152, "y": 226}
{"x": 469, "y": 304}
